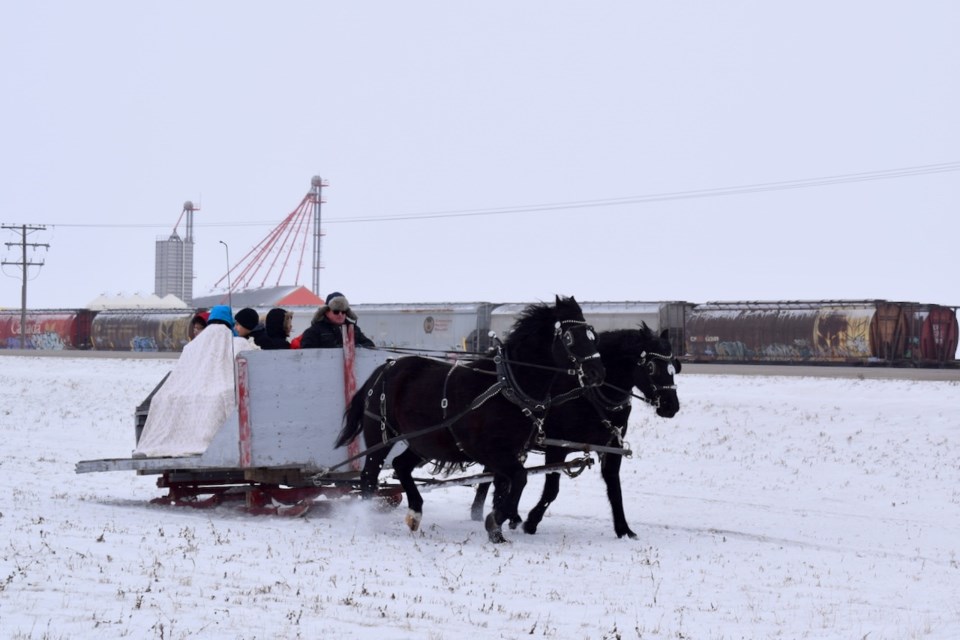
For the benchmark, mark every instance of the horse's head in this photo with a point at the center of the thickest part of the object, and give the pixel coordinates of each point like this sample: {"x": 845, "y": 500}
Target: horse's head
{"x": 654, "y": 371}
{"x": 576, "y": 342}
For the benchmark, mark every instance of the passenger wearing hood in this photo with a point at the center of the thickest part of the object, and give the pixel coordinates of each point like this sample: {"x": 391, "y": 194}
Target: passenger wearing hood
{"x": 276, "y": 330}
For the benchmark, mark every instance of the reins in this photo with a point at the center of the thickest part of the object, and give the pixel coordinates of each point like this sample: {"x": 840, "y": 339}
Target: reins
{"x": 444, "y": 356}
{"x": 505, "y": 385}
{"x": 440, "y": 354}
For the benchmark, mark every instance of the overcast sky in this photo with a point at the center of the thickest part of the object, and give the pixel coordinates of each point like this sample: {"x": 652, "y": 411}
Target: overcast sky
{"x": 115, "y": 113}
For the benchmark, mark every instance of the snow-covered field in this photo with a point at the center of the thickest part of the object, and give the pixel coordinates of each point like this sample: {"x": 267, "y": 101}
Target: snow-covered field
{"x": 768, "y": 508}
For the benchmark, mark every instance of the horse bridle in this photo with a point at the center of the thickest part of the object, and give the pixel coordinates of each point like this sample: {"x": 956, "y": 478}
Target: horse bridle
{"x": 568, "y": 341}
{"x": 649, "y": 359}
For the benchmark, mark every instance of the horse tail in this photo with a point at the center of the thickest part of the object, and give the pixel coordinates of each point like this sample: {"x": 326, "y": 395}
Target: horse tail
{"x": 354, "y": 413}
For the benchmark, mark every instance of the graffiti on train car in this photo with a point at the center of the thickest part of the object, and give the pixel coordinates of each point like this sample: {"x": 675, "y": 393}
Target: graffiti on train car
{"x": 874, "y": 331}
{"x": 151, "y": 330}
{"x": 46, "y": 329}
{"x": 843, "y": 334}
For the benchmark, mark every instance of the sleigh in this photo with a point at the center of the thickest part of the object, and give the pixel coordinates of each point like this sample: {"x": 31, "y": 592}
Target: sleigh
{"x": 275, "y": 453}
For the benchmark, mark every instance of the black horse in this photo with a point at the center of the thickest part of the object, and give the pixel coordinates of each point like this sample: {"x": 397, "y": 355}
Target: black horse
{"x": 632, "y": 358}
{"x": 487, "y": 412}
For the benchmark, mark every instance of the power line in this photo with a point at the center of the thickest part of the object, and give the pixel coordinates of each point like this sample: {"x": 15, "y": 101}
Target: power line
{"x": 808, "y": 183}
{"x": 680, "y": 195}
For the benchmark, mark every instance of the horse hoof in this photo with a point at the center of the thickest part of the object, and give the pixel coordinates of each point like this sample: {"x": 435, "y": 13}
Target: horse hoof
{"x": 494, "y": 532}
{"x": 529, "y": 527}
{"x": 515, "y": 522}
{"x": 413, "y": 520}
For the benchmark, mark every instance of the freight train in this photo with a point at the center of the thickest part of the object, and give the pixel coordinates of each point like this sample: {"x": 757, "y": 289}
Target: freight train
{"x": 828, "y": 332}
{"x": 787, "y": 332}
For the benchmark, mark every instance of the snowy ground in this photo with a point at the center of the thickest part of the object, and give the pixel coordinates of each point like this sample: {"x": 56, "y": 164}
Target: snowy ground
{"x": 768, "y": 508}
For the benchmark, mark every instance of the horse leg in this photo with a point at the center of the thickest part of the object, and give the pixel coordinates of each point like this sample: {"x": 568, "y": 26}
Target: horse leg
{"x": 492, "y": 523}
{"x": 403, "y": 466}
{"x": 508, "y": 486}
{"x": 610, "y": 470}
{"x": 479, "y": 497}
{"x": 518, "y": 480}
{"x": 476, "y": 509}
{"x": 370, "y": 475}
{"x": 551, "y": 488}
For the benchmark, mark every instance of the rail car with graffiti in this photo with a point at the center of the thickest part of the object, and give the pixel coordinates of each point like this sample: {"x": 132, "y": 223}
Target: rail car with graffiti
{"x": 824, "y": 332}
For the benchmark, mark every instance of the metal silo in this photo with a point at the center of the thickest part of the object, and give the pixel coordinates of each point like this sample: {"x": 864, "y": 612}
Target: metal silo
{"x": 173, "y": 271}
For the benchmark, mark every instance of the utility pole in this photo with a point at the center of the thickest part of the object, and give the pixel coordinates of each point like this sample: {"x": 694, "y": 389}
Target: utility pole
{"x": 316, "y": 190}
{"x": 24, "y": 264}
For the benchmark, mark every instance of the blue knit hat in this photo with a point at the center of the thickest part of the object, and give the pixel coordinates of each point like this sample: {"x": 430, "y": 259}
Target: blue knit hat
{"x": 221, "y": 312}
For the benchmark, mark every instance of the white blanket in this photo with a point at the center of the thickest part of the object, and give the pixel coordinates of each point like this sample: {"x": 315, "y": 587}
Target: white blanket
{"x": 196, "y": 399}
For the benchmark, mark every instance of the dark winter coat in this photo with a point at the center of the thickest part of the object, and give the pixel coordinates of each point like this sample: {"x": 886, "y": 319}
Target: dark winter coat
{"x": 322, "y": 334}
{"x": 257, "y": 335}
{"x": 274, "y": 335}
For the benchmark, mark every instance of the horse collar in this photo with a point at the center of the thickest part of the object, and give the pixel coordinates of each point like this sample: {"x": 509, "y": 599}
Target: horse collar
{"x": 510, "y": 388}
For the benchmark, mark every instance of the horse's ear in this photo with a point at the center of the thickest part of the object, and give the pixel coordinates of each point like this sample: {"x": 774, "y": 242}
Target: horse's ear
{"x": 665, "y": 335}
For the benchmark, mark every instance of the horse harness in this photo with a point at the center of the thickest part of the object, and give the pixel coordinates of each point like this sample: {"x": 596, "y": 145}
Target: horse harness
{"x": 506, "y": 385}
{"x": 604, "y": 405}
